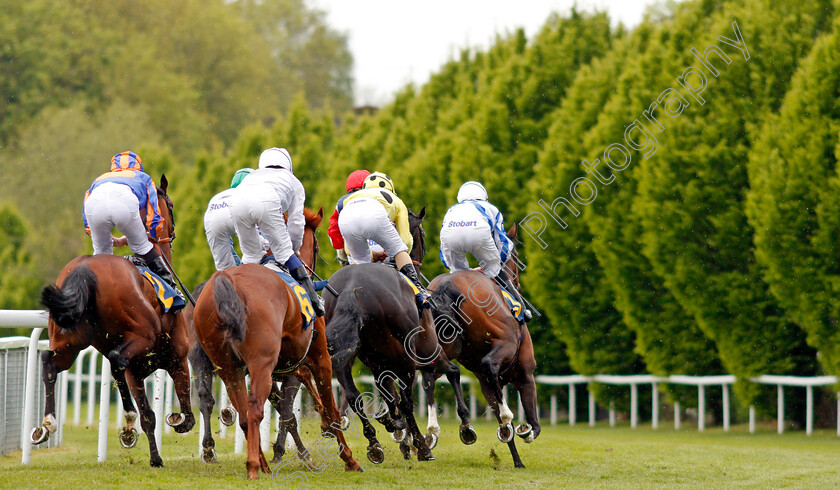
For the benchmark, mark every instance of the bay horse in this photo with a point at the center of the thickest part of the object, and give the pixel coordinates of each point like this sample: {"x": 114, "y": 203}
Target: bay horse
{"x": 477, "y": 328}
{"x": 203, "y": 369}
{"x": 103, "y": 301}
{"x": 248, "y": 318}
{"x": 375, "y": 318}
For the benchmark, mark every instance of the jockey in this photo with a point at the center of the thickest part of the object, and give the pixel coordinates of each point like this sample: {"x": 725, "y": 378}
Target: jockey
{"x": 355, "y": 181}
{"x": 475, "y": 226}
{"x": 376, "y": 213}
{"x": 261, "y": 199}
{"x": 122, "y": 198}
{"x": 218, "y": 224}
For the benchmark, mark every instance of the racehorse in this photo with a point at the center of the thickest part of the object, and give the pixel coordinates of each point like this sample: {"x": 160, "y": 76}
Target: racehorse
{"x": 375, "y": 318}
{"x": 248, "y": 318}
{"x": 103, "y": 301}
{"x": 477, "y": 328}
{"x": 203, "y": 369}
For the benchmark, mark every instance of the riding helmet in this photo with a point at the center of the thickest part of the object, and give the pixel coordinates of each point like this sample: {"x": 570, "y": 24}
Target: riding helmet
{"x": 472, "y": 190}
{"x": 238, "y": 176}
{"x": 378, "y": 180}
{"x": 276, "y": 158}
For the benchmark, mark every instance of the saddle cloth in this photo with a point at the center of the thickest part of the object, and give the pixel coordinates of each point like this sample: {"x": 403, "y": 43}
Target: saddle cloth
{"x": 168, "y": 297}
{"x": 515, "y": 306}
{"x": 306, "y": 309}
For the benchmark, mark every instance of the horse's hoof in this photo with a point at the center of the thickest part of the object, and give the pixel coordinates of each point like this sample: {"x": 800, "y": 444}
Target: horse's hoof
{"x": 344, "y": 423}
{"x": 39, "y": 435}
{"x": 398, "y": 435}
{"x": 405, "y": 449}
{"x": 209, "y": 455}
{"x": 227, "y": 416}
{"x": 128, "y": 439}
{"x": 505, "y": 433}
{"x": 156, "y": 462}
{"x": 375, "y": 454}
{"x": 431, "y": 440}
{"x": 468, "y": 435}
{"x": 525, "y": 431}
{"x": 360, "y": 469}
{"x": 175, "y": 419}
{"x": 425, "y": 455}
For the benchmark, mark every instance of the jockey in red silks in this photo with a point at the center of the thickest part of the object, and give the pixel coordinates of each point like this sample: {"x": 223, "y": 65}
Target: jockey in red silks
{"x": 355, "y": 181}
{"x": 126, "y": 198}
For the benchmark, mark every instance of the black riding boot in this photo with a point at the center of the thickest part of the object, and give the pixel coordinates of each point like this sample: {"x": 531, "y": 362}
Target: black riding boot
{"x": 300, "y": 275}
{"x": 504, "y": 280}
{"x": 411, "y": 273}
{"x": 156, "y": 264}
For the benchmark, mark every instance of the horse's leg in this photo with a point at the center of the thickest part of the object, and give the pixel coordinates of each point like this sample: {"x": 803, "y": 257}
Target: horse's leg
{"x": 52, "y": 363}
{"x": 432, "y": 427}
{"x": 261, "y": 382}
{"x": 406, "y": 405}
{"x": 184, "y": 421}
{"x": 493, "y": 393}
{"x": 282, "y": 399}
{"x": 203, "y": 371}
{"x": 320, "y": 365}
{"x": 234, "y": 380}
{"x": 465, "y": 431}
{"x": 392, "y": 419}
{"x": 375, "y": 453}
{"x": 528, "y": 393}
{"x": 119, "y": 358}
{"x": 147, "y": 415}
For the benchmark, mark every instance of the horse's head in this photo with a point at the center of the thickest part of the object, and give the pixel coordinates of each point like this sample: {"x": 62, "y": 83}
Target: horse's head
{"x": 167, "y": 215}
{"x": 309, "y": 247}
{"x": 415, "y": 227}
{"x": 513, "y": 264}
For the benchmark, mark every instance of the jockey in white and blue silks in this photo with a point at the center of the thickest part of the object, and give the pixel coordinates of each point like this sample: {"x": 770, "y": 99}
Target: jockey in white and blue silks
{"x": 219, "y": 228}
{"x": 475, "y": 226}
{"x": 260, "y": 201}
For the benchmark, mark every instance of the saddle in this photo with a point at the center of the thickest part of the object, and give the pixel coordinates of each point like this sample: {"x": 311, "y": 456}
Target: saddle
{"x": 168, "y": 297}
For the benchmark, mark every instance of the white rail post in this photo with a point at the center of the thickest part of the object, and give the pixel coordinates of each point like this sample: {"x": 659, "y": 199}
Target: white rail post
{"x": 572, "y": 405}
{"x": 701, "y": 408}
{"x": 77, "y": 387}
{"x": 553, "y": 412}
{"x": 612, "y": 413}
{"x": 157, "y": 389}
{"x": 809, "y": 407}
{"x": 752, "y": 419}
{"x": 265, "y": 427}
{"x": 591, "y": 409}
{"x": 654, "y": 422}
{"x": 91, "y": 387}
{"x": 780, "y": 422}
{"x": 104, "y": 409}
{"x": 167, "y": 400}
{"x": 473, "y": 402}
{"x": 520, "y": 411}
{"x": 676, "y": 415}
{"x": 239, "y": 438}
{"x": 634, "y": 405}
{"x": 63, "y": 382}
{"x": 201, "y": 434}
{"x": 725, "y": 388}
{"x": 29, "y": 396}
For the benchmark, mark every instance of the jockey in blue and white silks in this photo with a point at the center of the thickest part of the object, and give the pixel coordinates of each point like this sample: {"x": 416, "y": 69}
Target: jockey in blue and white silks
{"x": 260, "y": 202}
{"x": 219, "y": 228}
{"x": 475, "y": 226}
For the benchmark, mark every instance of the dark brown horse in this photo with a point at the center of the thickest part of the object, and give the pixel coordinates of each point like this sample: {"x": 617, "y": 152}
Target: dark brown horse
{"x": 375, "y": 318}
{"x": 103, "y": 301}
{"x": 247, "y": 318}
{"x": 203, "y": 369}
{"x": 477, "y": 329}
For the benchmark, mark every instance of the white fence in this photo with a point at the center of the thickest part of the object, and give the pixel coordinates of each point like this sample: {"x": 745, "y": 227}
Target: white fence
{"x": 162, "y": 391}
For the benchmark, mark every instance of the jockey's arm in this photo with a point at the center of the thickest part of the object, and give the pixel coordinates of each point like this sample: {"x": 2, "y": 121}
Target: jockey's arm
{"x": 296, "y": 219}
{"x": 401, "y": 222}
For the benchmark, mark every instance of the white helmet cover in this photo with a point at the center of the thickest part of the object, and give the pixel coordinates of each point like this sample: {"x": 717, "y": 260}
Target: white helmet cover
{"x": 276, "y": 157}
{"x": 472, "y": 190}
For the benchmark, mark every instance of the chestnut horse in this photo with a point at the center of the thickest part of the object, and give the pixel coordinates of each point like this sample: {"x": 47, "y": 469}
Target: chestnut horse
{"x": 477, "y": 328}
{"x": 375, "y": 318}
{"x": 204, "y": 372}
{"x": 248, "y": 318}
{"x": 103, "y": 301}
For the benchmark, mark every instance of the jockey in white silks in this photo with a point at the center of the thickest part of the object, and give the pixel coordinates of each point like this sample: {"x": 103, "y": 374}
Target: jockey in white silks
{"x": 475, "y": 226}
{"x": 260, "y": 202}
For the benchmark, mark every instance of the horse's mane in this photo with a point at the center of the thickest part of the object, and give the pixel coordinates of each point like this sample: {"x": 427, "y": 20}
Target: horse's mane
{"x": 313, "y": 219}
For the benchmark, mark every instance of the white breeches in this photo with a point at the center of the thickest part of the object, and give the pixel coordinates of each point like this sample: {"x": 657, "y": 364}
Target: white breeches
{"x": 366, "y": 219}
{"x": 260, "y": 207}
{"x": 114, "y": 205}
{"x": 218, "y": 228}
{"x": 461, "y": 237}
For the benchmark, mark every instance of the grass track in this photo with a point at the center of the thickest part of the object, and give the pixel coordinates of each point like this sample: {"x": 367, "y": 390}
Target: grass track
{"x": 563, "y": 456}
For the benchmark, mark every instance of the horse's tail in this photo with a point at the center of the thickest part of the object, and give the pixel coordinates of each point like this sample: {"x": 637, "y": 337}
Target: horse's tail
{"x": 343, "y": 332}
{"x": 67, "y": 304}
{"x": 231, "y": 309}
{"x": 445, "y": 299}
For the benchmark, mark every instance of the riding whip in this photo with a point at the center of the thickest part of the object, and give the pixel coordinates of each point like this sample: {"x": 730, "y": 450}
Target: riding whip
{"x": 169, "y": 266}
{"x": 327, "y": 286}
